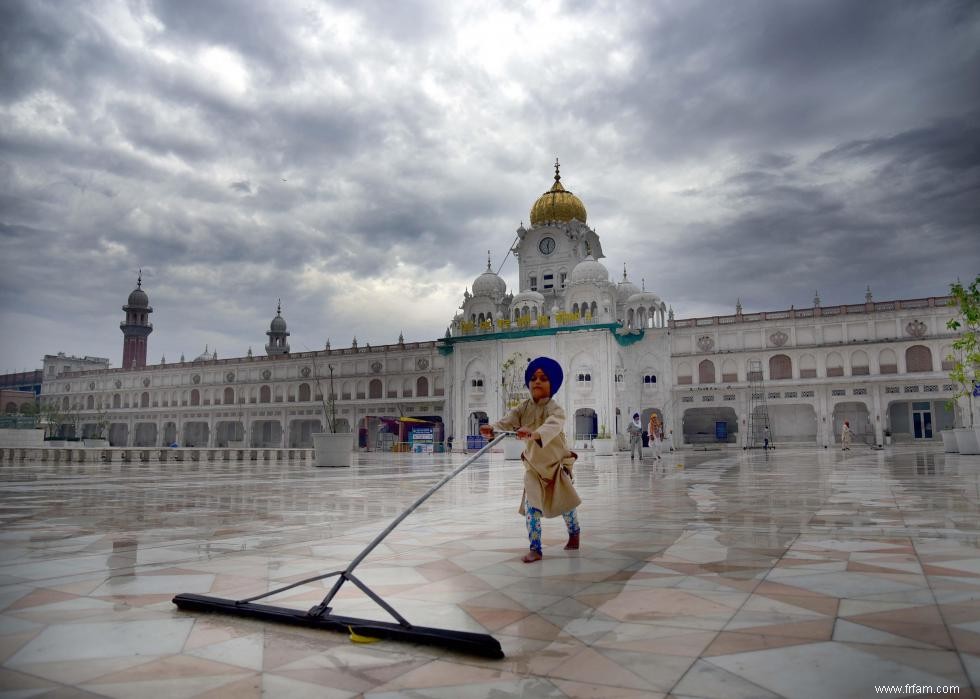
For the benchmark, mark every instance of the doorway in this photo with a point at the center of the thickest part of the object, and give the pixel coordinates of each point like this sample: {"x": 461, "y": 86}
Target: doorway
{"x": 921, "y": 420}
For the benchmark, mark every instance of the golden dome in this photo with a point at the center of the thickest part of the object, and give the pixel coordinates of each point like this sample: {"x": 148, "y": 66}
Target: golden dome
{"x": 557, "y": 204}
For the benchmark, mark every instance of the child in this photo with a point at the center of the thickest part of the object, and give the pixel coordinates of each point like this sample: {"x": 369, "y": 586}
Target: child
{"x": 635, "y": 432}
{"x": 845, "y": 436}
{"x": 540, "y": 422}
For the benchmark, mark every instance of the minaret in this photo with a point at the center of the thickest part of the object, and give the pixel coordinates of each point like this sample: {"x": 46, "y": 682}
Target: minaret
{"x": 137, "y": 327}
{"x": 277, "y": 335}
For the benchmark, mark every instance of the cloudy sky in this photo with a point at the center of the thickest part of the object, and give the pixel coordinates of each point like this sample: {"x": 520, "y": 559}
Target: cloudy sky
{"x": 357, "y": 160}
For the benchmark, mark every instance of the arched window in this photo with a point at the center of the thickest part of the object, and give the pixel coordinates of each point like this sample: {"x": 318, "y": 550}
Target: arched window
{"x": 706, "y": 371}
{"x": 887, "y": 362}
{"x": 145, "y": 400}
{"x": 195, "y": 397}
{"x": 595, "y": 308}
{"x": 89, "y": 403}
{"x": 947, "y": 358}
{"x": 304, "y": 392}
{"x": 422, "y": 387}
{"x": 575, "y": 308}
{"x": 780, "y": 367}
{"x": 64, "y": 403}
{"x": 116, "y": 400}
{"x": 918, "y": 358}
{"x": 265, "y": 395}
{"x": 650, "y": 378}
{"x": 683, "y": 373}
{"x": 11, "y": 408}
{"x": 229, "y": 396}
{"x": 729, "y": 371}
{"x": 374, "y": 388}
{"x": 808, "y": 367}
{"x": 859, "y": 363}
{"x": 835, "y": 365}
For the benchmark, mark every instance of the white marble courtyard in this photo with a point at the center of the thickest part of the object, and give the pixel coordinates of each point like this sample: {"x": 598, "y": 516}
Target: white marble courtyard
{"x": 793, "y": 573}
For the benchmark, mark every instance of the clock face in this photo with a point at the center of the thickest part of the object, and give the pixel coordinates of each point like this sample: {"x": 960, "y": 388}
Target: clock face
{"x": 547, "y": 245}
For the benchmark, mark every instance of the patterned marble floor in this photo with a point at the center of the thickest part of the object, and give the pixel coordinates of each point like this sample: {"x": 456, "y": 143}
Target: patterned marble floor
{"x": 793, "y": 573}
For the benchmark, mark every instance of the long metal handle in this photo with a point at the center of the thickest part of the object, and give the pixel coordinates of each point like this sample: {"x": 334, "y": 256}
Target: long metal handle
{"x": 398, "y": 520}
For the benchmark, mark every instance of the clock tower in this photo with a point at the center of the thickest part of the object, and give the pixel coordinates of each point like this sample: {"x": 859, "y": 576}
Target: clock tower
{"x": 557, "y": 240}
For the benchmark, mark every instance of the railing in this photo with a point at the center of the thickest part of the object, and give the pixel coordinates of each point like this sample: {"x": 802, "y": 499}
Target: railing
{"x": 18, "y": 422}
{"x": 907, "y": 304}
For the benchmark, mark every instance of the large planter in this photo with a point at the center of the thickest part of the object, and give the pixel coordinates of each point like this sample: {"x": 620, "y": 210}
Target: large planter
{"x": 949, "y": 441}
{"x": 603, "y": 447}
{"x": 332, "y": 449}
{"x": 95, "y": 443}
{"x": 513, "y": 448}
{"x": 966, "y": 440}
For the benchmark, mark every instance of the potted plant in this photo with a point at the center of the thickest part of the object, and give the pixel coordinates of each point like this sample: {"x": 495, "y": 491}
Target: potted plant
{"x": 514, "y": 390}
{"x": 330, "y": 448}
{"x": 603, "y": 443}
{"x": 966, "y": 360}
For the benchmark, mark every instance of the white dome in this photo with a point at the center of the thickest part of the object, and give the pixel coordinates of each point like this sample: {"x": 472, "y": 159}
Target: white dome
{"x": 589, "y": 270}
{"x": 644, "y": 298}
{"x": 489, "y": 284}
{"x": 625, "y": 289}
{"x": 528, "y": 297}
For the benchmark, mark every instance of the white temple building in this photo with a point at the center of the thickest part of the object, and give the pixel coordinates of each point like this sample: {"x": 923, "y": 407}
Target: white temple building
{"x": 879, "y": 365}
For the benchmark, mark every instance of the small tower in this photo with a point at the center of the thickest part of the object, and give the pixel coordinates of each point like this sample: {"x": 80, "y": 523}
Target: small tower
{"x": 137, "y": 327}
{"x": 277, "y": 335}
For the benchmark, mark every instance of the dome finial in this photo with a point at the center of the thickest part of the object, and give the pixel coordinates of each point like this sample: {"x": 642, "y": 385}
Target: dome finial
{"x": 139, "y": 279}
{"x": 557, "y": 174}
{"x": 278, "y": 307}
{"x": 624, "y": 271}
{"x": 643, "y": 284}
{"x": 488, "y": 261}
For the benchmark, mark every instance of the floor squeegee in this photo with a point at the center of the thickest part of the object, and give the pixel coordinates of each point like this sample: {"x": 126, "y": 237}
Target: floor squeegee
{"x": 320, "y": 617}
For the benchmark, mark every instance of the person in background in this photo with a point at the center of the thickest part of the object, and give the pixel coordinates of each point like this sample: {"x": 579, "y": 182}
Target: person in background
{"x": 656, "y": 435}
{"x": 845, "y": 436}
{"x": 548, "y": 485}
{"x": 635, "y": 432}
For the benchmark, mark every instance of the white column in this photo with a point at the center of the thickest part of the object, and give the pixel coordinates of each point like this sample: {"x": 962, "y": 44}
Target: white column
{"x": 825, "y": 418}
{"x": 877, "y": 419}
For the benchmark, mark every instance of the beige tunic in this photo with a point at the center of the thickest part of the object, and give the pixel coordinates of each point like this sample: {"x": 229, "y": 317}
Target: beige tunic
{"x": 547, "y": 466}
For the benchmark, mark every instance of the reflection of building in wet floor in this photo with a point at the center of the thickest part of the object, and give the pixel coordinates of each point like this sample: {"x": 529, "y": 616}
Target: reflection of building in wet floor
{"x": 122, "y": 560}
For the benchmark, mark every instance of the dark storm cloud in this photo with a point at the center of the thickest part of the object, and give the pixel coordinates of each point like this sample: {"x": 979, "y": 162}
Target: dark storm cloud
{"x": 347, "y": 158}
{"x": 826, "y": 227}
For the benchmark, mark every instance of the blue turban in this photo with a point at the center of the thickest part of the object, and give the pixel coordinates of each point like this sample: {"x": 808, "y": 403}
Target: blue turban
{"x": 551, "y": 369}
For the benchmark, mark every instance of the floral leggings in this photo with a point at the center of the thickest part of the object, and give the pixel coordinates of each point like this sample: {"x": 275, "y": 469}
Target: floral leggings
{"x": 533, "y": 518}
